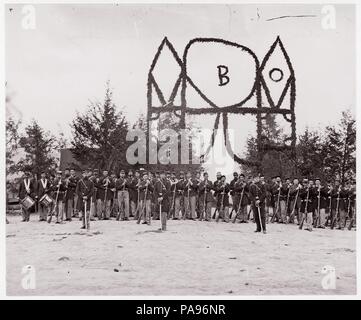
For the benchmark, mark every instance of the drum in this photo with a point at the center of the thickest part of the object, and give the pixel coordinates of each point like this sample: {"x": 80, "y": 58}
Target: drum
{"x": 46, "y": 200}
{"x": 27, "y": 202}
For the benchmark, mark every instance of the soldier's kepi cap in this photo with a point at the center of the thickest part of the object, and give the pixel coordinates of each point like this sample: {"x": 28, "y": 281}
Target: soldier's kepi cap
{"x": 168, "y": 172}
{"x": 122, "y": 171}
{"x": 235, "y": 174}
{"x": 205, "y": 173}
{"x": 181, "y": 172}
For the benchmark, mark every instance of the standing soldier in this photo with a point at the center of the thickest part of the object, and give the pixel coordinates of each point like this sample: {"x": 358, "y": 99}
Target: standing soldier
{"x": 198, "y": 180}
{"x": 295, "y": 201}
{"x": 75, "y": 202}
{"x": 70, "y": 185}
{"x": 241, "y": 199}
{"x": 190, "y": 193}
{"x": 85, "y": 190}
{"x": 93, "y": 176}
{"x": 26, "y": 189}
{"x": 287, "y": 193}
{"x": 122, "y": 188}
{"x": 223, "y": 200}
{"x": 103, "y": 196}
{"x": 205, "y": 198}
{"x": 173, "y": 193}
{"x": 279, "y": 191}
{"x": 320, "y": 204}
{"x": 257, "y": 193}
{"x": 232, "y": 192}
{"x": 161, "y": 190}
{"x": 44, "y": 187}
{"x": 179, "y": 204}
{"x": 114, "y": 199}
{"x": 133, "y": 193}
{"x": 146, "y": 194}
{"x": 307, "y": 194}
{"x": 58, "y": 188}
{"x": 338, "y": 195}
{"x": 215, "y": 188}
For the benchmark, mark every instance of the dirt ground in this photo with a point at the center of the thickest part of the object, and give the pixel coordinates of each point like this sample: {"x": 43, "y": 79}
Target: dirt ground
{"x": 191, "y": 258}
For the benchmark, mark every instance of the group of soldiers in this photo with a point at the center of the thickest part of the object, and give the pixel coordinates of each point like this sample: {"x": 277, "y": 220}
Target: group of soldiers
{"x": 144, "y": 195}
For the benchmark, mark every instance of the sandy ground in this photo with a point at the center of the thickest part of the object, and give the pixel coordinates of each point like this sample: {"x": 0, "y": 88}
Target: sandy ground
{"x": 191, "y": 258}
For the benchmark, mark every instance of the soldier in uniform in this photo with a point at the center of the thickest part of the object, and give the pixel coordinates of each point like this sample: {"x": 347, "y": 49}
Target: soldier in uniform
{"x": 59, "y": 188}
{"x": 232, "y": 192}
{"x": 198, "y": 180}
{"x": 173, "y": 192}
{"x": 122, "y": 187}
{"x": 338, "y": 212}
{"x": 257, "y": 193}
{"x": 161, "y": 191}
{"x": 205, "y": 198}
{"x": 241, "y": 199}
{"x": 215, "y": 188}
{"x": 295, "y": 201}
{"x": 75, "y": 202}
{"x": 85, "y": 190}
{"x": 44, "y": 187}
{"x": 104, "y": 196}
{"x": 223, "y": 199}
{"x": 114, "y": 208}
{"x": 190, "y": 193}
{"x": 320, "y": 204}
{"x": 179, "y": 204}
{"x": 146, "y": 189}
{"x": 70, "y": 185}
{"x": 279, "y": 192}
{"x": 307, "y": 194}
{"x": 93, "y": 176}
{"x": 26, "y": 188}
{"x": 133, "y": 193}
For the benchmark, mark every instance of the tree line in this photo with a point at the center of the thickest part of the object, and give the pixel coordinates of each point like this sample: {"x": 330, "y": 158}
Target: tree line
{"x": 99, "y": 141}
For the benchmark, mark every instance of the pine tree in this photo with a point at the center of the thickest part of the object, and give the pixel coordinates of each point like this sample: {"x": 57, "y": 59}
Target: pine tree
{"x": 99, "y": 135}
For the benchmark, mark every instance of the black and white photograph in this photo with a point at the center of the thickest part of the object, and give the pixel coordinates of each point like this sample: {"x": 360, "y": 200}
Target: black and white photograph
{"x": 180, "y": 150}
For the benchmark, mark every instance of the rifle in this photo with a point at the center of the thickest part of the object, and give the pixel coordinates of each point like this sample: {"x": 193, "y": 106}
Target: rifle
{"x": 188, "y": 201}
{"x": 294, "y": 206}
{"x": 288, "y": 199}
{"x": 330, "y": 210}
{"x": 239, "y": 207}
{"x": 203, "y": 213}
{"x": 105, "y": 196}
{"x": 86, "y": 219}
{"x": 337, "y": 209}
{"x": 222, "y": 206}
{"x": 305, "y": 212}
{"x": 173, "y": 200}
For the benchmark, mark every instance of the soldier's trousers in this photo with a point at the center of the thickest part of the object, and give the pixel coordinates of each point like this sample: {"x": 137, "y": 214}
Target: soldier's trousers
{"x": 308, "y": 220}
{"x": 190, "y": 206}
{"x": 133, "y": 208}
{"x": 43, "y": 212}
{"x": 224, "y": 213}
{"x": 295, "y": 212}
{"x": 242, "y": 214}
{"x": 178, "y": 206}
{"x": 259, "y": 212}
{"x": 145, "y": 210}
{"x": 103, "y": 209}
{"x": 76, "y": 206}
{"x": 340, "y": 218}
{"x": 68, "y": 208}
{"x": 207, "y": 213}
{"x": 123, "y": 202}
{"x": 59, "y": 211}
{"x": 163, "y": 219}
{"x": 88, "y": 213}
{"x": 25, "y": 214}
{"x": 321, "y": 220}
{"x": 281, "y": 211}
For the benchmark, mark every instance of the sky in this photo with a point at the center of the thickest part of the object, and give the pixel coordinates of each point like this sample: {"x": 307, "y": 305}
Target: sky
{"x": 53, "y": 71}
